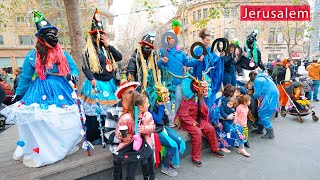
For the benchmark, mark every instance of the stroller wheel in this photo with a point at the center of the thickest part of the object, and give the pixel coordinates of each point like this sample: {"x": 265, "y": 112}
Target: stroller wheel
{"x": 314, "y": 117}
{"x": 283, "y": 113}
{"x": 300, "y": 120}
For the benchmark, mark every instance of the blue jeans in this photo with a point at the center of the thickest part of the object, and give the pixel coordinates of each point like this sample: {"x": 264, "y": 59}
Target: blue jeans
{"x": 178, "y": 94}
{"x": 229, "y": 78}
{"x": 316, "y": 84}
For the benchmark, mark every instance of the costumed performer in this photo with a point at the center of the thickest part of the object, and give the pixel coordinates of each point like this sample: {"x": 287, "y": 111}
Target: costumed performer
{"x": 212, "y": 61}
{"x": 265, "y": 90}
{"x": 251, "y": 56}
{"x": 193, "y": 117}
{"x": 48, "y": 119}
{"x": 174, "y": 63}
{"x": 100, "y": 69}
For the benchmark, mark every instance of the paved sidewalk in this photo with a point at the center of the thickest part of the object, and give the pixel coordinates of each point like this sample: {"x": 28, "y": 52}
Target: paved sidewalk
{"x": 294, "y": 154}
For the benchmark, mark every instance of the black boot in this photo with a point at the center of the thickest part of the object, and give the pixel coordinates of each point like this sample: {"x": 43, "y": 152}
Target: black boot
{"x": 246, "y": 144}
{"x": 269, "y": 134}
{"x": 259, "y": 130}
{"x": 117, "y": 176}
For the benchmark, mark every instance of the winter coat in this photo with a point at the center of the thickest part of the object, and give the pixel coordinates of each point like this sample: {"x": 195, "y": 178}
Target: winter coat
{"x": 229, "y": 64}
{"x": 188, "y": 113}
{"x": 306, "y": 83}
{"x": 224, "y": 110}
{"x": 160, "y": 117}
{"x": 176, "y": 60}
{"x": 279, "y": 73}
{"x": 314, "y": 71}
{"x": 244, "y": 61}
{"x": 241, "y": 115}
{"x": 127, "y": 120}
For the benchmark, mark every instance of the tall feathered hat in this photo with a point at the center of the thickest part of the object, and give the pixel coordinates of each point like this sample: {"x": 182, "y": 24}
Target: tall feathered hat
{"x": 96, "y": 24}
{"x": 41, "y": 22}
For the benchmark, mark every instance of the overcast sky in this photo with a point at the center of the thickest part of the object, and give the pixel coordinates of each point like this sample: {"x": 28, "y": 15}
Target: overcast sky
{"x": 124, "y": 6}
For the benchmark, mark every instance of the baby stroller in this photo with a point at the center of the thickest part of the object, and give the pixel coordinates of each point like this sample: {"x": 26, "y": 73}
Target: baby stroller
{"x": 295, "y": 108}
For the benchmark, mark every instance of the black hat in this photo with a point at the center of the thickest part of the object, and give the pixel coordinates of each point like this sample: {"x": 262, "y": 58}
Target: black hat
{"x": 41, "y": 22}
{"x": 253, "y": 35}
{"x": 148, "y": 39}
{"x": 96, "y": 23}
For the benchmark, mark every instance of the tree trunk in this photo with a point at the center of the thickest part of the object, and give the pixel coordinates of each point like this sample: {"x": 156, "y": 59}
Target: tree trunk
{"x": 76, "y": 34}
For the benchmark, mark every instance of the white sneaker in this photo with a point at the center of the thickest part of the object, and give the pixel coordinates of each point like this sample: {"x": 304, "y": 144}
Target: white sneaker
{"x": 169, "y": 171}
{"x": 171, "y": 124}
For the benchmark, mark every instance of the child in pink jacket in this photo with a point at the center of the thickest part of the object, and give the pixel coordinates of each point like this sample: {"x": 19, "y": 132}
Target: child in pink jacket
{"x": 146, "y": 128}
{"x": 242, "y": 115}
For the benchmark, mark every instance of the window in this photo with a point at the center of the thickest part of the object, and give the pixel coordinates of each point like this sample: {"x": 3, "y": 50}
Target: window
{"x": 22, "y": 18}
{"x": 232, "y": 33}
{"x": 1, "y": 40}
{"x": 271, "y": 35}
{"x": 26, "y": 40}
{"x": 211, "y": 10}
{"x": 279, "y": 36}
{"x": 199, "y": 14}
{"x": 184, "y": 21}
{"x": 226, "y": 33}
{"x": 194, "y": 15}
{"x": 205, "y": 13}
{"x": 272, "y": 56}
{"x": 226, "y": 12}
{"x": 234, "y": 12}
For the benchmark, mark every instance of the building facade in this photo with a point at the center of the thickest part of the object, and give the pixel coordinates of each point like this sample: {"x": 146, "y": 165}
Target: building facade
{"x": 272, "y": 39}
{"x": 17, "y": 34}
{"x": 315, "y": 34}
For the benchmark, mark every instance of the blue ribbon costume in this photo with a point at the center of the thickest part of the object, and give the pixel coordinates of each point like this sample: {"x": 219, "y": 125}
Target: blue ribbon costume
{"x": 266, "y": 91}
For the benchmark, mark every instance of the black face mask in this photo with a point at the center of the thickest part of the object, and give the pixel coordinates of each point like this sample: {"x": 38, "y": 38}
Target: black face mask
{"x": 250, "y": 41}
{"x": 94, "y": 39}
{"x": 146, "y": 51}
{"x": 51, "y": 38}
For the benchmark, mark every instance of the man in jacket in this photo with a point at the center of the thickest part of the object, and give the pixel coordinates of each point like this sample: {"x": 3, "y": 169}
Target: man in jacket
{"x": 314, "y": 73}
{"x": 283, "y": 72}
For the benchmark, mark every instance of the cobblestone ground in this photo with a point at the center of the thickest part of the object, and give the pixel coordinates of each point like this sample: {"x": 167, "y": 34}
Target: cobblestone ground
{"x": 293, "y": 154}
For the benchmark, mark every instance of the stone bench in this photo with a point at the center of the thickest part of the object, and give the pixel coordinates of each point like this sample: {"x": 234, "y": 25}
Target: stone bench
{"x": 76, "y": 166}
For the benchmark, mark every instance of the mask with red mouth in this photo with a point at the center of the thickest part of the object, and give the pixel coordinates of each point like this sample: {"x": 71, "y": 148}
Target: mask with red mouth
{"x": 200, "y": 87}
